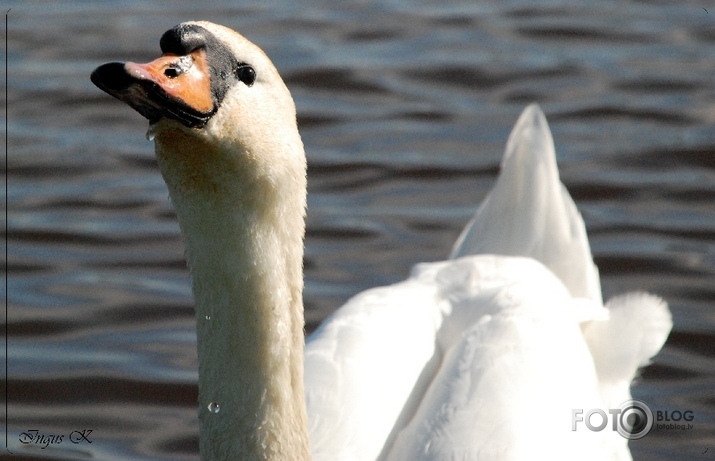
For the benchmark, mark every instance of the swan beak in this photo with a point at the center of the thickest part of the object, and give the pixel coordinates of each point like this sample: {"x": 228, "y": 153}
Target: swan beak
{"x": 177, "y": 87}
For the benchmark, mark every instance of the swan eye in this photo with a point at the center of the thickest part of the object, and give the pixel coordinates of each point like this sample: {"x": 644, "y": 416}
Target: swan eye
{"x": 246, "y": 74}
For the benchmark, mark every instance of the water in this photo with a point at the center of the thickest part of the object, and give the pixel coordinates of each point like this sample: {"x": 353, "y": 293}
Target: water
{"x": 404, "y": 108}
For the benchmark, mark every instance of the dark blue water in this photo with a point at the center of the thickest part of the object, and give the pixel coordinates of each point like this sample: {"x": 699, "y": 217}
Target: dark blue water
{"x": 404, "y": 108}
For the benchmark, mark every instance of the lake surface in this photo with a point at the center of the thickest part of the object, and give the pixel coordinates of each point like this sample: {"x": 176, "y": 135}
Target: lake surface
{"x": 404, "y": 108}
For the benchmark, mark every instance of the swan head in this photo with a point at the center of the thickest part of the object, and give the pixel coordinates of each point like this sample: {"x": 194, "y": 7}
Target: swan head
{"x": 221, "y": 117}
{"x": 210, "y": 82}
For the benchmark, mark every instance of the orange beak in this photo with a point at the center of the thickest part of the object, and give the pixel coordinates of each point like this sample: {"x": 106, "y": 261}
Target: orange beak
{"x": 178, "y": 87}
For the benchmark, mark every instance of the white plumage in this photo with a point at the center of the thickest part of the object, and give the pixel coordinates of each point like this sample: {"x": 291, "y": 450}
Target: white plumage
{"x": 484, "y": 357}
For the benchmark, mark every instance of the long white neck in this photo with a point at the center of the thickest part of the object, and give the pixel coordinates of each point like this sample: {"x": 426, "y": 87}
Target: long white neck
{"x": 241, "y": 212}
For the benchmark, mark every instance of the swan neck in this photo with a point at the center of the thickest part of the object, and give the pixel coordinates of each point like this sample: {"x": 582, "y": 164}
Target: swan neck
{"x": 242, "y": 219}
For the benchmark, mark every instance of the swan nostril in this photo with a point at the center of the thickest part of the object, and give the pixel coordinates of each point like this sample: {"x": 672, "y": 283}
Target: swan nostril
{"x": 179, "y": 67}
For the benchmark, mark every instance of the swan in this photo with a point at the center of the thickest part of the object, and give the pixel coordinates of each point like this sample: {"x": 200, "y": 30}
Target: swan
{"x": 483, "y": 356}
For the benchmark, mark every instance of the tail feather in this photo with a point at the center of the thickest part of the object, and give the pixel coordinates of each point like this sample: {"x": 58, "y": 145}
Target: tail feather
{"x": 637, "y": 327}
{"x": 530, "y": 213}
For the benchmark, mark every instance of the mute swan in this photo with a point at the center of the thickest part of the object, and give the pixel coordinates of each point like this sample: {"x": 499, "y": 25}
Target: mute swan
{"x": 483, "y": 356}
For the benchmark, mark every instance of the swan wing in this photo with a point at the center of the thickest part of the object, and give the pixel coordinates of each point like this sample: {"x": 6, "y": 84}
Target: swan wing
{"x": 481, "y": 357}
{"x": 514, "y": 365}
{"x": 363, "y": 364}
